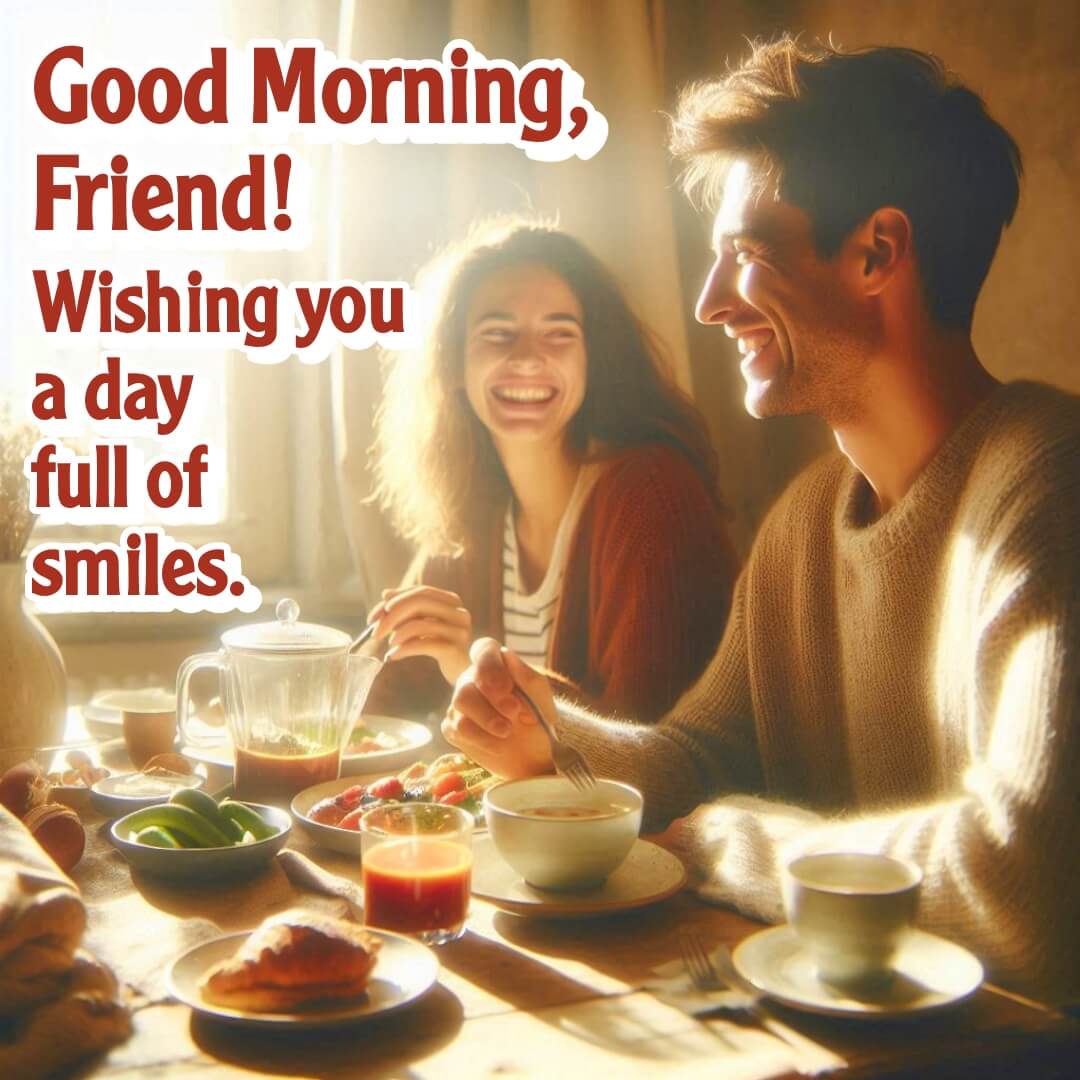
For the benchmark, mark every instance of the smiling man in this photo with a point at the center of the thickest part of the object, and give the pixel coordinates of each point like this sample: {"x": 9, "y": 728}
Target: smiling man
{"x": 899, "y": 673}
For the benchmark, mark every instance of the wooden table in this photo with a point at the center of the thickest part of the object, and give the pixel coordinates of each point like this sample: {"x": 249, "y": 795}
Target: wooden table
{"x": 520, "y": 997}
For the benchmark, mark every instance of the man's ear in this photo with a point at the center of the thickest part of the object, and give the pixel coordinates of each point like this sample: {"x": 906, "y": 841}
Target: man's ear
{"x": 882, "y": 244}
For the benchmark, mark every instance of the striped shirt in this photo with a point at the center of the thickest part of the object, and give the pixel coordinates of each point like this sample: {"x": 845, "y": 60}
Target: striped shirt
{"x": 528, "y": 617}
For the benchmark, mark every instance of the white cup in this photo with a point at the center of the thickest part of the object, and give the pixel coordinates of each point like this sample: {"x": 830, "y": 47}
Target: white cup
{"x": 851, "y": 912}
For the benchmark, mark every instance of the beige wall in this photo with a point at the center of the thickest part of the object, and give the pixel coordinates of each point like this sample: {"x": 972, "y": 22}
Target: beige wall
{"x": 1020, "y": 56}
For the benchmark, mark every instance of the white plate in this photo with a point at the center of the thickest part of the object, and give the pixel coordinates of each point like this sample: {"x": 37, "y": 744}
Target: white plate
{"x": 649, "y": 875}
{"x": 110, "y": 803}
{"x": 405, "y": 970}
{"x": 931, "y": 973}
{"x": 415, "y": 737}
{"x": 347, "y": 841}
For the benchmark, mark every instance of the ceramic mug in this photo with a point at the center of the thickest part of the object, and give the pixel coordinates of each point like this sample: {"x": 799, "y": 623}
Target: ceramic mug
{"x": 149, "y": 723}
{"x": 851, "y": 912}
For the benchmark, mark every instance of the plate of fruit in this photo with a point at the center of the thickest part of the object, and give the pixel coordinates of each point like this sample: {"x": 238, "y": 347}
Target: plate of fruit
{"x": 331, "y": 812}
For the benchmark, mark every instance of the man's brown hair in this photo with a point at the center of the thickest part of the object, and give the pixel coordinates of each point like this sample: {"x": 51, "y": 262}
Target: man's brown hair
{"x": 844, "y": 133}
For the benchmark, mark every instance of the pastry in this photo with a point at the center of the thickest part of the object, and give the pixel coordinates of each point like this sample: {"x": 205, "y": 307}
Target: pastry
{"x": 291, "y": 959}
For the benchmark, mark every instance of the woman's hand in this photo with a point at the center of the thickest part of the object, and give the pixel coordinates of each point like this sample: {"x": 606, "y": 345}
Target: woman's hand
{"x": 490, "y": 723}
{"x": 425, "y": 621}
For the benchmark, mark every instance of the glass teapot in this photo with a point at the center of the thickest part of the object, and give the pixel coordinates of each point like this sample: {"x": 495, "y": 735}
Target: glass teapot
{"x": 291, "y": 693}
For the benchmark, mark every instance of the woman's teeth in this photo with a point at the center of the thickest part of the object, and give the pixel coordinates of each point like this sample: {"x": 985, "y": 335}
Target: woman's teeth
{"x": 530, "y": 395}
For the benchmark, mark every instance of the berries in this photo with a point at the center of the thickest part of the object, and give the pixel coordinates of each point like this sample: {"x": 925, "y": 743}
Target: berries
{"x": 452, "y": 780}
{"x": 350, "y": 798}
{"x": 327, "y": 812}
{"x": 448, "y": 782}
{"x": 389, "y": 788}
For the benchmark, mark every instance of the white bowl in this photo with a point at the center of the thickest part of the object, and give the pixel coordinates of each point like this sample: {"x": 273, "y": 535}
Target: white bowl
{"x": 561, "y": 853}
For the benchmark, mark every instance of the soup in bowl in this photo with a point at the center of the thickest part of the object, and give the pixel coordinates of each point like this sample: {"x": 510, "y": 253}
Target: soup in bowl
{"x": 559, "y": 838}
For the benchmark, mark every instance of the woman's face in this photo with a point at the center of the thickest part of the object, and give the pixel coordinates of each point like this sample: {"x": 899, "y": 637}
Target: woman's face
{"x": 525, "y": 362}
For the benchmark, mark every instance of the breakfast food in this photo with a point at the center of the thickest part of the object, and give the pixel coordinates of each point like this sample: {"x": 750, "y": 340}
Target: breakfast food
{"x": 192, "y": 819}
{"x": 59, "y": 831}
{"x": 140, "y": 785}
{"x": 364, "y": 740}
{"x": 292, "y": 959}
{"x": 24, "y": 786}
{"x": 81, "y": 771}
{"x": 168, "y": 763}
{"x": 607, "y": 810}
{"x": 452, "y": 779}
{"x": 25, "y": 790}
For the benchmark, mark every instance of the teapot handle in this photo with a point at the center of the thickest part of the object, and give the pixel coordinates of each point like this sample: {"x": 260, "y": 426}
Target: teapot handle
{"x": 183, "y": 678}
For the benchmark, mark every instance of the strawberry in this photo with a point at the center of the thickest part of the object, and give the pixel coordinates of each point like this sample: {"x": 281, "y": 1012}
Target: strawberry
{"x": 350, "y": 797}
{"x": 326, "y": 812}
{"x": 389, "y": 788}
{"x": 352, "y": 820}
{"x": 451, "y": 781}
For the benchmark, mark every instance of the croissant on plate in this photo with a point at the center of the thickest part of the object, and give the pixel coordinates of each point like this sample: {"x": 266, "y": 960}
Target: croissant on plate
{"x": 291, "y": 959}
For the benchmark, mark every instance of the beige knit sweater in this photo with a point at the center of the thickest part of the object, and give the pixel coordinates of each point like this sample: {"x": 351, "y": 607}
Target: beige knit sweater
{"x": 905, "y": 685}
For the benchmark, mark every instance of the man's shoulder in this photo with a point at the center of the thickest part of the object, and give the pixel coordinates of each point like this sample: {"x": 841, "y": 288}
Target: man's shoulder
{"x": 1035, "y": 412}
{"x": 1032, "y": 440}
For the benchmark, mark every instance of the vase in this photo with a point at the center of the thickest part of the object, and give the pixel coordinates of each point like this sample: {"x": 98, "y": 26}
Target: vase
{"x": 33, "y": 684}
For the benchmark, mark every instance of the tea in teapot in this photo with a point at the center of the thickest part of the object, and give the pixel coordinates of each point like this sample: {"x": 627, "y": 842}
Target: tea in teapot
{"x": 291, "y": 693}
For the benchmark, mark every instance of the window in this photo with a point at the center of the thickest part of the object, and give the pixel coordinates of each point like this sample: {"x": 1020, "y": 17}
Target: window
{"x": 244, "y": 410}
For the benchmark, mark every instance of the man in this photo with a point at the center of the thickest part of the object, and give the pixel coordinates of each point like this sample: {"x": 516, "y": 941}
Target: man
{"x": 900, "y": 672}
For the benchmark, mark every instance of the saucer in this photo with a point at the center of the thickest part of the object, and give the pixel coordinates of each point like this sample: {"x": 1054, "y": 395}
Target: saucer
{"x": 930, "y": 973}
{"x": 649, "y": 874}
{"x": 108, "y": 797}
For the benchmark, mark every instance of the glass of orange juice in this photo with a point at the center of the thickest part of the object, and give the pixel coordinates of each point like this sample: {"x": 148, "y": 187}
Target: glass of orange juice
{"x": 417, "y": 869}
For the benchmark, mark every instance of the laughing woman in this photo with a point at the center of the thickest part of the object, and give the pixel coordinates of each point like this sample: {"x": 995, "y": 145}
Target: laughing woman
{"x": 560, "y": 489}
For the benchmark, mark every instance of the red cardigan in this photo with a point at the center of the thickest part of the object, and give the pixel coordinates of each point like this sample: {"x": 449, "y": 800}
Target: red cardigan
{"x": 644, "y": 599}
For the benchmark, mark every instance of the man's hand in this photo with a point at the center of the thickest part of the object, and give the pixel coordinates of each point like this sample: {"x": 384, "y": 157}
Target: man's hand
{"x": 490, "y": 723}
{"x": 425, "y": 621}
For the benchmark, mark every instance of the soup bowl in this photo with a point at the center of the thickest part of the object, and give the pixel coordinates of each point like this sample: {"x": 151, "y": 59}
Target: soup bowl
{"x": 559, "y": 838}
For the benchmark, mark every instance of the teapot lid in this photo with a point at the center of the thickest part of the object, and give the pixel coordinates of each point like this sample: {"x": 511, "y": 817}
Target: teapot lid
{"x": 285, "y": 634}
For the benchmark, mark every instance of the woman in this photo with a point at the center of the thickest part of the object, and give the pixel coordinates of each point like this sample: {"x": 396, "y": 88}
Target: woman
{"x": 560, "y": 489}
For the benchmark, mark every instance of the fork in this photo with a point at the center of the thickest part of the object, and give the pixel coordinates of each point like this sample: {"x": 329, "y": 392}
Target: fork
{"x": 811, "y": 1059}
{"x": 568, "y": 761}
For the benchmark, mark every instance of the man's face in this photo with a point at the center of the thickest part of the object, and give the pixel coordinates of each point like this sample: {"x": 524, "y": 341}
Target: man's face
{"x": 801, "y": 331}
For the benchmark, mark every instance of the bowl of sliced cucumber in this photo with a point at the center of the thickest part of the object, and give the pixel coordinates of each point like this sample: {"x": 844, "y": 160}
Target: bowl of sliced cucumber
{"x": 193, "y": 837}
